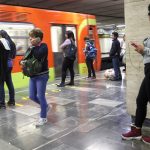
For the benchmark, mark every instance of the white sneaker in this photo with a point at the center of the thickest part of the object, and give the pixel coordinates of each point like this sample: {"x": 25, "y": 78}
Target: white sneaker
{"x": 88, "y": 78}
{"x": 41, "y": 122}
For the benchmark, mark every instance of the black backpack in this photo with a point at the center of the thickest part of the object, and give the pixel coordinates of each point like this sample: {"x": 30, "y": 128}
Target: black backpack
{"x": 72, "y": 50}
{"x": 30, "y": 65}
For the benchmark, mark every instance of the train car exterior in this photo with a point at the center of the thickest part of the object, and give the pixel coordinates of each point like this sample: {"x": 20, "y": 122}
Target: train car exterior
{"x": 18, "y": 21}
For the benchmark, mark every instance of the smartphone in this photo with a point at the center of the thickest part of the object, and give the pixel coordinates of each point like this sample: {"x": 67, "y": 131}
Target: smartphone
{"x": 134, "y": 45}
{"x": 38, "y": 39}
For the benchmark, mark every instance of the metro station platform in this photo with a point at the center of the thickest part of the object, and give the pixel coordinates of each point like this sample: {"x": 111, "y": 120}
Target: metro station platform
{"x": 88, "y": 116}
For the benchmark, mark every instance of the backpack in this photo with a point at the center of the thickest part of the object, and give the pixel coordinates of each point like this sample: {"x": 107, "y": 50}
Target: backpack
{"x": 91, "y": 51}
{"x": 72, "y": 50}
{"x": 30, "y": 65}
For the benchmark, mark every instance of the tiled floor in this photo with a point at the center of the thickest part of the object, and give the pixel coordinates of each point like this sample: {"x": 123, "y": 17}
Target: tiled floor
{"x": 88, "y": 116}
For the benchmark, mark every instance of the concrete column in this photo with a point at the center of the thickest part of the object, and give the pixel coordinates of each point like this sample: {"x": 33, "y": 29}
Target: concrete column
{"x": 137, "y": 29}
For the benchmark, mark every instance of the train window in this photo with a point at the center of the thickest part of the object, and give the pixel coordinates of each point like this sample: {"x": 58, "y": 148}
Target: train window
{"x": 19, "y": 34}
{"x": 56, "y": 38}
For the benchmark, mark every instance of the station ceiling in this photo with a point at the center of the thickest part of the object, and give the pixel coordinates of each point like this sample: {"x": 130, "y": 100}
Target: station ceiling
{"x": 106, "y": 11}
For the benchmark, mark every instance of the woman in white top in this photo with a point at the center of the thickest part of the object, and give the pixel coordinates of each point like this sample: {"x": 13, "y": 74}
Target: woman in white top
{"x": 69, "y": 53}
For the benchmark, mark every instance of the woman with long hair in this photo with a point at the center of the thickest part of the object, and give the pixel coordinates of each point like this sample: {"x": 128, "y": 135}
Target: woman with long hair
{"x": 69, "y": 53}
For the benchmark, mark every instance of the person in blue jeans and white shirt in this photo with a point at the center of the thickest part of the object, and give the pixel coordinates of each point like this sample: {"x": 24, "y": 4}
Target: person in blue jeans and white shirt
{"x": 38, "y": 82}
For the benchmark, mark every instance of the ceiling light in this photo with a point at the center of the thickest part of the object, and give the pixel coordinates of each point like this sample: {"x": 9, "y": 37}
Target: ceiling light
{"x": 121, "y": 26}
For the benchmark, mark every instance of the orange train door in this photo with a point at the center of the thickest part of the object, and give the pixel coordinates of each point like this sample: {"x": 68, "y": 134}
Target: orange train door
{"x": 57, "y": 38}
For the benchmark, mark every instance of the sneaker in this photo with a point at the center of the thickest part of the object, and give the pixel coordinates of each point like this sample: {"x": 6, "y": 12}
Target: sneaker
{"x": 115, "y": 79}
{"x": 93, "y": 77}
{"x": 70, "y": 83}
{"x": 134, "y": 133}
{"x": 146, "y": 140}
{"x": 61, "y": 85}
{"x": 2, "y": 107}
{"x": 11, "y": 103}
{"x": 88, "y": 78}
{"x": 41, "y": 122}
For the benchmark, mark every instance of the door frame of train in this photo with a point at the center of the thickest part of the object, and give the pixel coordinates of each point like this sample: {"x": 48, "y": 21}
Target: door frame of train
{"x": 64, "y": 29}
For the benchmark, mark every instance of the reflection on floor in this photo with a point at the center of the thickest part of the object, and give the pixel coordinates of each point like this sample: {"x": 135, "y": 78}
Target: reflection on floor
{"x": 88, "y": 116}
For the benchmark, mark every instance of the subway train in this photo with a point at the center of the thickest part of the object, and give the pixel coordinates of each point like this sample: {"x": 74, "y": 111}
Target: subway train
{"x": 18, "y": 21}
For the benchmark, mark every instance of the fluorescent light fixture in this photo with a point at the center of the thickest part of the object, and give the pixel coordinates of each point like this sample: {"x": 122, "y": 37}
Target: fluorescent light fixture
{"x": 121, "y": 26}
{"x": 12, "y": 25}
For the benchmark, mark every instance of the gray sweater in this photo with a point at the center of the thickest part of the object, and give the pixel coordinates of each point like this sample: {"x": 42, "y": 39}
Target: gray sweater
{"x": 146, "y": 53}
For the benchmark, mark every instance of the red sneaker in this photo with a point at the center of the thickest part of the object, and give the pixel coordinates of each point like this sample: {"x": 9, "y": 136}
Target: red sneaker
{"x": 146, "y": 140}
{"x": 135, "y": 133}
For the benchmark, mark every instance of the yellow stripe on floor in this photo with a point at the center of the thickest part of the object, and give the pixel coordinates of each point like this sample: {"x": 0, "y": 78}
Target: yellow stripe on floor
{"x": 56, "y": 90}
{"x": 25, "y": 98}
{"x": 20, "y": 105}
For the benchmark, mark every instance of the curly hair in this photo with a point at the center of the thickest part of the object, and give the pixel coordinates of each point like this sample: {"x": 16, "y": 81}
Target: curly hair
{"x": 37, "y": 32}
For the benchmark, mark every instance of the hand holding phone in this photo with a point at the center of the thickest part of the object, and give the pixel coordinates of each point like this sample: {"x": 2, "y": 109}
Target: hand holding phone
{"x": 134, "y": 44}
{"x": 138, "y": 48}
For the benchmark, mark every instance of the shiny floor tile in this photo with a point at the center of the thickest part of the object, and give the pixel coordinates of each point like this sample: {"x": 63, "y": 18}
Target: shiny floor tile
{"x": 106, "y": 102}
{"x": 64, "y": 147}
{"x": 7, "y": 146}
{"x": 28, "y": 142}
{"x": 91, "y": 115}
{"x": 27, "y": 110}
{"x": 60, "y": 101}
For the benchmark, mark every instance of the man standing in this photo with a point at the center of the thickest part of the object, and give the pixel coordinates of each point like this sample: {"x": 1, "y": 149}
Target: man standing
{"x": 115, "y": 55}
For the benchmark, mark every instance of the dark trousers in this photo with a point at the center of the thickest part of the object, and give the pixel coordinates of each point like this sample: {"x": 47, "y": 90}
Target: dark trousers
{"x": 89, "y": 63}
{"x": 67, "y": 64}
{"x": 143, "y": 98}
{"x": 116, "y": 66}
{"x": 9, "y": 83}
{"x": 10, "y": 86}
{"x": 2, "y": 93}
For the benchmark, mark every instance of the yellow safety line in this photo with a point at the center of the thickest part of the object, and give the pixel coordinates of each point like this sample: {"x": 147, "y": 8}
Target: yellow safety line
{"x": 20, "y": 105}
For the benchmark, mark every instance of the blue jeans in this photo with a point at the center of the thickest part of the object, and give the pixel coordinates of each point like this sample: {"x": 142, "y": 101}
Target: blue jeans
{"x": 37, "y": 89}
{"x": 116, "y": 67}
